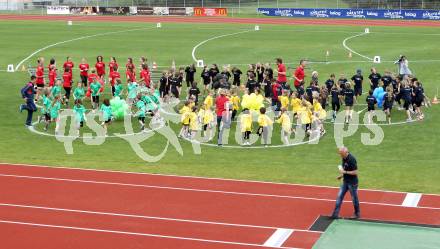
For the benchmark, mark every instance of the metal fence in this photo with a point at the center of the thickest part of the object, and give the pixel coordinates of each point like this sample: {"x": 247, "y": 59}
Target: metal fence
{"x": 234, "y": 6}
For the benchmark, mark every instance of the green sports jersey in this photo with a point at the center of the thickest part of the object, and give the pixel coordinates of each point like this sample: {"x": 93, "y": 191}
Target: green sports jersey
{"x": 106, "y": 111}
{"x": 79, "y": 113}
{"x": 56, "y": 90}
{"x": 141, "y": 109}
{"x": 118, "y": 90}
{"x": 95, "y": 87}
{"x": 46, "y": 104}
{"x": 79, "y": 93}
{"x": 132, "y": 90}
{"x": 54, "y": 109}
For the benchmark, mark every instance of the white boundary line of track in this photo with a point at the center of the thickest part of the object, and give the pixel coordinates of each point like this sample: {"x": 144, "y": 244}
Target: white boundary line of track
{"x": 193, "y": 177}
{"x": 144, "y": 217}
{"x": 200, "y": 190}
{"x": 17, "y": 67}
{"x": 344, "y": 43}
{"x": 132, "y": 233}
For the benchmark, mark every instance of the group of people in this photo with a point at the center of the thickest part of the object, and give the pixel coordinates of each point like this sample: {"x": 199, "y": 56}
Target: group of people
{"x": 229, "y": 89}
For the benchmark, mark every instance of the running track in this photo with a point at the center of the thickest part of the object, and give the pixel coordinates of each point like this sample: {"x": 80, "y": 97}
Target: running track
{"x": 278, "y": 21}
{"x": 45, "y": 207}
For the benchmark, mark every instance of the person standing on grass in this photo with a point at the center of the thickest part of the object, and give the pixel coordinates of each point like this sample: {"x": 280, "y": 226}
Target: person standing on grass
{"x": 299, "y": 75}
{"x": 222, "y": 111}
{"x": 282, "y": 77}
{"x": 349, "y": 173}
{"x": 28, "y": 93}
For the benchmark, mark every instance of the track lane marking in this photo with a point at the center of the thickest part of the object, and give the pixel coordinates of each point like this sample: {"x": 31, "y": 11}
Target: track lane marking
{"x": 412, "y": 200}
{"x": 278, "y": 238}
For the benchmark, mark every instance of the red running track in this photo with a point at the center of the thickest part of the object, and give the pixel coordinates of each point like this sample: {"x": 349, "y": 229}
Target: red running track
{"x": 277, "y": 21}
{"x": 73, "y": 208}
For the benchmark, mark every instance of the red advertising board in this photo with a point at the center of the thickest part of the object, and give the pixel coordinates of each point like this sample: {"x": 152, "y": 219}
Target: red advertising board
{"x": 210, "y": 11}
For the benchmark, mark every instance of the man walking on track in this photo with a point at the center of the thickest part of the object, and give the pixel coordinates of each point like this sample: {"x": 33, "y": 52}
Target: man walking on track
{"x": 349, "y": 173}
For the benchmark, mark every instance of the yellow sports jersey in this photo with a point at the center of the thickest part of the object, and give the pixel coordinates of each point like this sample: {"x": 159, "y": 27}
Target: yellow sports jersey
{"x": 317, "y": 108}
{"x": 260, "y": 99}
{"x": 193, "y": 121}
{"x": 296, "y": 104}
{"x": 191, "y": 105}
{"x": 246, "y": 122}
{"x": 235, "y": 102}
{"x": 264, "y": 120}
{"x": 284, "y": 101}
{"x": 305, "y": 115}
{"x": 185, "y": 118}
{"x": 208, "y": 102}
{"x": 285, "y": 122}
{"x": 206, "y": 116}
{"x": 245, "y": 103}
{"x": 184, "y": 109}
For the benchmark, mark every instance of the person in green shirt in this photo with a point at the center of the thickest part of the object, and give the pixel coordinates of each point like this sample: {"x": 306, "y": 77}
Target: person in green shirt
{"x": 79, "y": 92}
{"x": 140, "y": 114}
{"x": 46, "y": 101}
{"x": 132, "y": 92}
{"x": 79, "y": 111}
{"x": 107, "y": 113}
{"x": 54, "y": 113}
{"x": 56, "y": 89}
{"x": 119, "y": 89}
{"x": 94, "y": 88}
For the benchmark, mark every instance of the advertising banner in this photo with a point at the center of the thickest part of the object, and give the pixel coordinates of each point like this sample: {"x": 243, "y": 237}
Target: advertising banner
{"x": 210, "y": 11}
{"x": 58, "y": 10}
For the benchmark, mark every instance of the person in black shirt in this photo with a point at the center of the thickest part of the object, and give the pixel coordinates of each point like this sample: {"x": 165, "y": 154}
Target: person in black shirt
{"x": 357, "y": 80}
{"x": 206, "y": 76}
{"x": 374, "y": 78}
{"x": 309, "y": 92}
{"x": 371, "y": 102}
{"x": 386, "y": 79}
{"x": 237, "y": 74}
{"x": 267, "y": 85}
{"x": 406, "y": 92}
{"x": 189, "y": 74}
{"x": 342, "y": 81}
{"x": 268, "y": 71}
{"x": 396, "y": 90}
{"x": 175, "y": 84}
{"x": 251, "y": 71}
{"x": 194, "y": 92}
{"x": 330, "y": 82}
{"x": 388, "y": 101}
{"x": 419, "y": 96}
{"x": 349, "y": 174}
{"x": 349, "y": 98}
{"x": 225, "y": 73}
{"x": 164, "y": 87}
{"x": 251, "y": 85}
{"x": 213, "y": 71}
{"x": 336, "y": 101}
{"x": 260, "y": 73}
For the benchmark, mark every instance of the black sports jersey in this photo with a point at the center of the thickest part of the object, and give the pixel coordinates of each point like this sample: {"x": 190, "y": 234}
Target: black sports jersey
{"x": 357, "y": 79}
{"x": 342, "y": 82}
{"x": 237, "y": 73}
{"x": 375, "y": 78}
{"x": 194, "y": 91}
{"x": 163, "y": 82}
{"x": 226, "y": 75}
{"x": 251, "y": 85}
{"x": 418, "y": 92}
{"x": 371, "y": 101}
{"x": 260, "y": 73}
{"x": 335, "y": 95}
{"x": 213, "y": 72}
{"x": 388, "y": 100}
{"x": 406, "y": 93}
{"x": 190, "y": 71}
{"x": 387, "y": 80}
{"x": 269, "y": 72}
{"x": 329, "y": 84}
{"x": 174, "y": 82}
{"x": 349, "y": 95}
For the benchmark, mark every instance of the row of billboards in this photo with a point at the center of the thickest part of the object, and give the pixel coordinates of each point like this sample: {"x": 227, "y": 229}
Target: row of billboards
{"x": 136, "y": 10}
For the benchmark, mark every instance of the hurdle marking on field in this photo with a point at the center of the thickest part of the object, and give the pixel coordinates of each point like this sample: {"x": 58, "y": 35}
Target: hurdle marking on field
{"x": 412, "y": 200}
{"x": 344, "y": 43}
{"x": 278, "y": 238}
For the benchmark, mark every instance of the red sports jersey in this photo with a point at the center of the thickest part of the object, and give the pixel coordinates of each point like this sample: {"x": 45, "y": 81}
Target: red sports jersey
{"x": 299, "y": 73}
{"x": 111, "y": 65}
{"x": 281, "y": 69}
{"x": 52, "y": 75}
{"x": 145, "y": 75}
{"x": 68, "y": 64}
{"x": 67, "y": 77}
{"x": 84, "y": 68}
{"x": 131, "y": 75}
{"x": 100, "y": 68}
{"x": 92, "y": 77}
{"x": 40, "y": 75}
{"x": 113, "y": 76}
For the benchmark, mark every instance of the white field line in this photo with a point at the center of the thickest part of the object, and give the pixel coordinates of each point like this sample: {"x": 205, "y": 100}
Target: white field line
{"x": 74, "y": 39}
{"x": 359, "y": 112}
{"x": 197, "y": 190}
{"x": 213, "y": 38}
{"x": 193, "y": 177}
{"x": 129, "y": 233}
{"x": 344, "y": 43}
{"x": 144, "y": 217}
{"x": 411, "y": 200}
{"x": 278, "y": 238}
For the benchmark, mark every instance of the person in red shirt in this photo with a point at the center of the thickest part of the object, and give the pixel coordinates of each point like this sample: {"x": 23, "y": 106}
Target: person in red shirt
{"x": 84, "y": 71}
{"x": 67, "y": 84}
{"x": 68, "y": 64}
{"x": 111, "y": 66}
{"x": 100, "y": 67}
{"x": 114, "y": 75}
{"x": 282, "y": 78}
{"x": 52, "y": 72}
{"x": 130, "y": 71}
{"x": 145, "y": 75}
{"x": 299, "y": 75}
{"x": 276, "y": 91}
{"x": 40, "y": 73}
{"x": 222, "y": 108}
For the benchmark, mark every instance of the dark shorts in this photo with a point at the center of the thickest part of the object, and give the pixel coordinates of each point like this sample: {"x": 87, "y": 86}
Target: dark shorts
{"x": 418, "y": 103}
{"x": 81, "y": 124}
{"x": 47, "y": 117}
{"x": 349, "y": 103}
{"x": 84, "y": 79}
{"x": 95, "y": 99}
{"x": 108, "y": 121}
{"x": 141, "y": 119}
{"x": 387, "y": 107}
{"x": 336, "y": 106}
{"x": 175, "y": 92}
{"x": 205, "y": 127}
{"x": 40, "y": 85}
{"x": 406, "y": 104}
{"x": 358, "y": 91}
{"x": 371, "y": 108}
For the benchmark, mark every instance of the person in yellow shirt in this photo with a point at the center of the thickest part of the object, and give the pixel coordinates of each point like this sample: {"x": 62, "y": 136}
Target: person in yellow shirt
{"x": 245, "y": 100}
{"x": 193, "y": 122}
{"x": 295, "y": 103}
{"x": 235, "y": 104}
{"x": 286, "y": 125}
{"x": 320, "y": 115}
{"x": 284, "y": 99}
{"x": 186, "y": 107}
{"x": 246, "y": 125}
{"x": 209, "y": 101}
{"x": 305, "y": 115}
{"x": 185, "y": 112}
{"x": 206, "y": 118}
{"x": 264, "y": 122}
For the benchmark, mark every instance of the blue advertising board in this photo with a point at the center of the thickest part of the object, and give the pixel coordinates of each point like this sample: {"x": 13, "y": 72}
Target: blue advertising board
{"x": 353, "y": 13}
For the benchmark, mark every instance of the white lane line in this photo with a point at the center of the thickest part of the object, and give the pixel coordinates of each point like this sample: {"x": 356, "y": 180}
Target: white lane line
{"x": 344, "y": 43}
{"x": 130, "y": 233}
{"x": 278, "y": 238}
{"x": 359, "y": 112}
{"x": 193, "y": 177}
{"x": 144, "y": 217}
{"x": 196, "y": 190}
{"x": 213, "y": 38}
{"x": 411, "y": 200}
{"x": 71, "y": 40}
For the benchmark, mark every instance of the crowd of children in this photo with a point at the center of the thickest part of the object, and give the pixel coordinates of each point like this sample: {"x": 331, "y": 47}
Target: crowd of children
{"x": 302, "y": 105}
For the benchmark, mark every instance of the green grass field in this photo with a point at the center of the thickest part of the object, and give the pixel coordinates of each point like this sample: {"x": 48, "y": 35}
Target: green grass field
{"x": 406, "y": 160}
